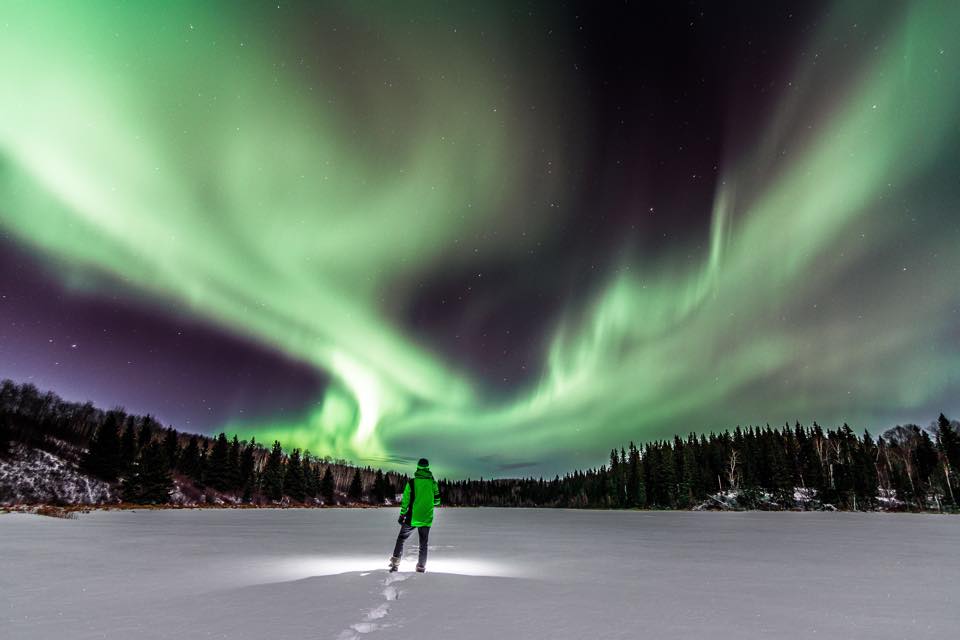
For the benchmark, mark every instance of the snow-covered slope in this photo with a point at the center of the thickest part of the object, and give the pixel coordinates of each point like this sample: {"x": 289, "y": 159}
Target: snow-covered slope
{"x": 492, "y": 573}
{"x": 33, "y": 476}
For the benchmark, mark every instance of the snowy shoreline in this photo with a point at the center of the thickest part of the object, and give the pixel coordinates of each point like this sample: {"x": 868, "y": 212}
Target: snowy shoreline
{"x": 71, "y": 511}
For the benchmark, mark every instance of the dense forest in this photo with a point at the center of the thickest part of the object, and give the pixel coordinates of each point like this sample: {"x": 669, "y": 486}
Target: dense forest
{"x": 147, "y": 463}
{"x": 907, "y": 468}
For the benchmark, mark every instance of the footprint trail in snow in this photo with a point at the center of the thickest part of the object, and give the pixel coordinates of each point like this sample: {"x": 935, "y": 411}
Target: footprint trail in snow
{"x": 390, "y": 593}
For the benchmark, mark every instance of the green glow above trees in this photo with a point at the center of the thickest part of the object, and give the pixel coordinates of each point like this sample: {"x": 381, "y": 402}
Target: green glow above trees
{"x": 181, "y": 152}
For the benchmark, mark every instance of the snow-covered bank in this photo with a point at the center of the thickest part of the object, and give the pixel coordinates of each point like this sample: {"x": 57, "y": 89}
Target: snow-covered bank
{"x": 492, "y": 573}
{"x": 33, "y": 476}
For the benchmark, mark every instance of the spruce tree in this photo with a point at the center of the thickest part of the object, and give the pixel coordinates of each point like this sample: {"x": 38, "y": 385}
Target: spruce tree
{"x": 218, "y": 465}
{"x": 128, "y": 445}
{"x": 642, "y": 501}
{"x": 379, "y": 491}
{"x": 646, "y": 470}
{"x": 189, "y": 463}
{"x": 781, "y": 480}
{"x": 355, "y": 492}
{"x": 233, "y": 465}
{"x": 149, "y": 481}
{"x": 790, "y": 455}
{"x": 327, "y": 487}
{"x": 247, "y": 470}
{"x": 615, "y": 481}
{"x": 204, "y": 465}
{"x": 148, "y": 427}
{"x": 273, "y": 473}
{"x": 294, "y": 482}
{"x": 102, "y": 458}
{"x": 927, "y": 462}
{"x": 865, "y": 480}
{"x": 311, "y": 478}
{"x": 633, "y": 477}
{"x": 687, "y": 492}
{"x": 665, "y": 477}
{"x": 805, "y": 458}
{"x": 171, "y": 448}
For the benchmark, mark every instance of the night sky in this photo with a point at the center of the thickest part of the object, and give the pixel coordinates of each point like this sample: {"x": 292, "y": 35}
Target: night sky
{"x": 507, "y": 237}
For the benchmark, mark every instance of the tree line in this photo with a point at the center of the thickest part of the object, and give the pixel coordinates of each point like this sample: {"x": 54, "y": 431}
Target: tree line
{"x": 907, "y": 468}
{"x": 152, "y": 464}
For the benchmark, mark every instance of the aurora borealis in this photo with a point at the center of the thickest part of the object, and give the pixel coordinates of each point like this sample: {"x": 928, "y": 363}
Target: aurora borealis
{"x": 480, "y": 234}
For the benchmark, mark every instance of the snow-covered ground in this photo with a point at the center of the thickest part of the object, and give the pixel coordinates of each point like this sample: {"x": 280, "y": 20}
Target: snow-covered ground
{"x": 492, "y": 573}
{"x": 31, "y": 476}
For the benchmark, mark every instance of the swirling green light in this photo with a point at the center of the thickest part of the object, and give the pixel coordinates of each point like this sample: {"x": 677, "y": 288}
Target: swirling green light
{"x": 208, "y": 165}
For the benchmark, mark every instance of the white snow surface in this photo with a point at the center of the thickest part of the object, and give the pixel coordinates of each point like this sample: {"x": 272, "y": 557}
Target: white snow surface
{"x": 34, "y": 476}
{"x": 492, "y": 573}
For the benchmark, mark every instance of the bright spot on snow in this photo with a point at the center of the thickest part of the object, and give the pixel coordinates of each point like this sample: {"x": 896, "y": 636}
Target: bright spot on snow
{"x": 309, "y": 566}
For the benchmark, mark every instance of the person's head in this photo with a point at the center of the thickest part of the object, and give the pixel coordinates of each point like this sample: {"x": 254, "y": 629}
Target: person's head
{"x": 423, "y": 463}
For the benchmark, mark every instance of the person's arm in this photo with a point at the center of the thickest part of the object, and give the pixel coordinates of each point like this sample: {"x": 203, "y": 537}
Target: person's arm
{"x": 405, "y": 501}
{"x": 436, "y": 494}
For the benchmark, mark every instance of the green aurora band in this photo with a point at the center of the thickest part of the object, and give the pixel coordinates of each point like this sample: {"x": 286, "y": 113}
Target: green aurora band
{"x": 203, "y": 162}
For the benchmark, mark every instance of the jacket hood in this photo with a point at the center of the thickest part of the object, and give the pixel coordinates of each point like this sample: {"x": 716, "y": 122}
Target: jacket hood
{"x": 423, "y": 472}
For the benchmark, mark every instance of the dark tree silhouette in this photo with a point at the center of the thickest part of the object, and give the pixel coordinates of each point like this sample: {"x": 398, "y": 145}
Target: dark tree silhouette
{"x": 248, "y": 465}
{"x": 355, "y": 492}
{"x": 273, "y": 474}
{"x": 906, "y": 468}
{"x": 189, "y": 463}
{"x": 128, "y": 444}
{"x": 233, "y": 465}
{"x": 218, "y": 465}
{"x": 149, "y": 481}
{"x": 5, "y": 437}
{"x": 311, "y": 478}
{"x": 294, "y": 482}
{"x": 103, "y": 457}
{"x": 171, "y": 448}
{"x": 379, "y": 493}
{"x": 75, "y": 432}
{"x": 327, "y": 487}
{"x": 202, "y": 475}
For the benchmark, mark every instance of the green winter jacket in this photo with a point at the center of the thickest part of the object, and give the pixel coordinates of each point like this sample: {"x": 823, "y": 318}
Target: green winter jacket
{"x": 426, "y": 497}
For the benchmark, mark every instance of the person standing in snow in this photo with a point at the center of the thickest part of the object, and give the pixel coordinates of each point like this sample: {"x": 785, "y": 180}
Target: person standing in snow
{"x": 420, "y": 496}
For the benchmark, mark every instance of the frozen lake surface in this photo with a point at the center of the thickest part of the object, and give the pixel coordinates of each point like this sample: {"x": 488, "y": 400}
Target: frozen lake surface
{"x": 492, "y": 573}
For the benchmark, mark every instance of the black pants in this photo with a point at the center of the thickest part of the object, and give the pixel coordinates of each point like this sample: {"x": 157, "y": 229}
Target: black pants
{"x": 405, "y": 531}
